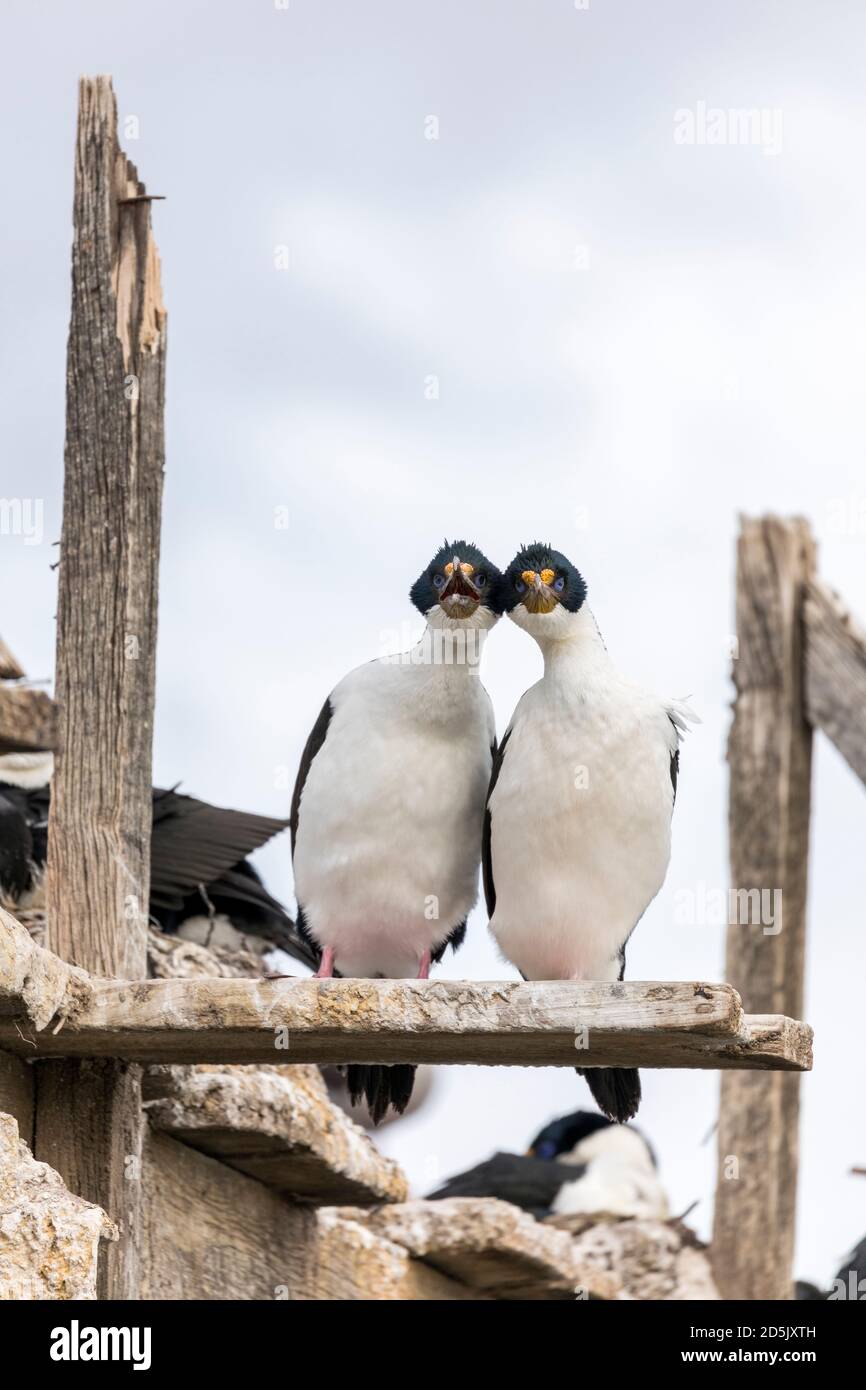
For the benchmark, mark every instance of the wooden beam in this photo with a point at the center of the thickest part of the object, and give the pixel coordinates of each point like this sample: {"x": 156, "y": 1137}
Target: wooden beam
{"x": 212, "y": 1233}
{"x": 836, "y": 674}
{"x": 88, "y": 1119}
{"x": 16, "y": 1094}
{"x": 10, "y": 670}
{"x": 500, "y": 1023}
{"x": 28, "y": 720}
{"x": 770, "y": 753}
{"x": 99, "y": 839}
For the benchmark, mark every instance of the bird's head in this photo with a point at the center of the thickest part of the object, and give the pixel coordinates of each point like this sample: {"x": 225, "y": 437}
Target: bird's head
{"x": 585, "y": 1135}
{"x": 542, "y": 591}
{"x": 459, "y": 588}
{"x": 562, "y": 1135}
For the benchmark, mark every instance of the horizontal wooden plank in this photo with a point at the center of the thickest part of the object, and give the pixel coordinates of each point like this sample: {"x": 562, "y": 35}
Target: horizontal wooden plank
{"x": 48, "y": 1009}
{"x": 28, "y": 720}
{"x": 835, "y": 675}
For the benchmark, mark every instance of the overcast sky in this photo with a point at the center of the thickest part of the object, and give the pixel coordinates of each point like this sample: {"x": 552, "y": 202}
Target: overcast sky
{"x": 634, "y": 338}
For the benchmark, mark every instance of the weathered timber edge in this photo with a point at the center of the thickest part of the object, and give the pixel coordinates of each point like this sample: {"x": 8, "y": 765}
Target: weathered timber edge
{"x": 48, "y": 1009}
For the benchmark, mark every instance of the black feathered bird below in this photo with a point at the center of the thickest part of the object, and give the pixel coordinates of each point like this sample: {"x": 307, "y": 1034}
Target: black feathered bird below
{"x": 579, "y": 1163}
{"x": 200, "y": 876}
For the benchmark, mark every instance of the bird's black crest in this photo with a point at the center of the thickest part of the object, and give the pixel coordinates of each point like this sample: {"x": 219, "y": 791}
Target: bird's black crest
{"x": 424, "y": 594}
{"x": 538, "y": 557}
{"x": 561, "y": 1135}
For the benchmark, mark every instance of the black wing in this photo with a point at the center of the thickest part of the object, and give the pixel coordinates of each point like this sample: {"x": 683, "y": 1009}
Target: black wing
{"x": 313, "y": 744}
{"x": 487, "y": 832}
{"x": 675, "y": 762}
{"x": 242, "y": 897}
{"x": 455, "y": 940}
{"x": 530, "y": 1183}
{"x": 194, "y": 843}
{"x": 854, "y": 1264}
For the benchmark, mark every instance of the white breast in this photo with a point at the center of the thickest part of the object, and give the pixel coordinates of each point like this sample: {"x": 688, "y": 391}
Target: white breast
{"x": 580, "y": 821}
{"x": 616, "y": 1189}
{"x": 389, "y": 833}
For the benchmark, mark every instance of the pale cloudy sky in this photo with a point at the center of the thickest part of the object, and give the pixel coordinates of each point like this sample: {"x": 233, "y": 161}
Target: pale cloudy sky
{"x": 634, "y": 339}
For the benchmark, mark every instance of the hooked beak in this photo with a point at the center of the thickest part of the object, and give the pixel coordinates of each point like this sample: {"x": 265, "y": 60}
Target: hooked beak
{"x": 539, "y": 596}
{"x": 459, "y": 598}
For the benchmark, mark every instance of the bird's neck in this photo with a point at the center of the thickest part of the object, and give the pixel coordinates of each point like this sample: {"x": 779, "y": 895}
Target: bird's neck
{"x": 576, "y": 646}
{"x": 449, "y": 653}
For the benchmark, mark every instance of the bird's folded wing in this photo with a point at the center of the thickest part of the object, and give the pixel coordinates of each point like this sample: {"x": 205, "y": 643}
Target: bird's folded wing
{"x": 531, "y": 1183}
{"x": 194, "y": 842}
{"x": 498, "y": 752}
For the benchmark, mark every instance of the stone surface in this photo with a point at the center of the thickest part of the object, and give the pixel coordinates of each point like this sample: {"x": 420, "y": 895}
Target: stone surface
{"x": 49, "y": 1238}
{"x": 275, "y": 1123}
{"x": 645, "y": 1260}
{"x": 491, "y": 1247}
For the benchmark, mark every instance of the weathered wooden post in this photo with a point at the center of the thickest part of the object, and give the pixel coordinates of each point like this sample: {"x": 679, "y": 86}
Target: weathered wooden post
{"x": 770, "y": 755}
{"x": 88, "y": 1119}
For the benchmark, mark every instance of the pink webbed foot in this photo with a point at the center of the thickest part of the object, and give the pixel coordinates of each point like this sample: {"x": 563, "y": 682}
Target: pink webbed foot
{"x": 424, "y": 967}
{"x": 326, "y": 969}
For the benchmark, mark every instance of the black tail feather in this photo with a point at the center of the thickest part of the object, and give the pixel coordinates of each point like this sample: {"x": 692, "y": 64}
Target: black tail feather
{"x": 381, "y": 1087}
{"x": 615, "y": 1090}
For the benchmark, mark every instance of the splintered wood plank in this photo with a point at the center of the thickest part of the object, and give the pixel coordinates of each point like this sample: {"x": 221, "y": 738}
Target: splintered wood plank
{"x": 835, "y": 680}
{"x": 88, "y": 1123}
{"x": 770, "y": 756}
{"x": 28, "y": 720}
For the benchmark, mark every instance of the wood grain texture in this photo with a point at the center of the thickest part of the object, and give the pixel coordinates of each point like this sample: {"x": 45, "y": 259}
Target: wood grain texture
{"x": 89, "y": 1128}
{"x": 835, "y": 680}
{"x": 17, "y": 1094}
{"x": 213, "y": 1233}
{"x": 649, "y": 1024}
{"x": 769, "y": 753}
{"x": 98, "y": 855}
{"x": 88, "y": 1123}
{"x": 28, "y": 720}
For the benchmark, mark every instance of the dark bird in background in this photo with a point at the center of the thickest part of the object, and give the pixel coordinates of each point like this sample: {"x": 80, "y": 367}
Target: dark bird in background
{"x": 388, "y": 805}
{"x": 850, "y": 1281}
{"x": 849, "y": 1284}
{"x": 580, "y": 1163}
{"x": 202, "y": 886}
{"x": 578, "y": 830}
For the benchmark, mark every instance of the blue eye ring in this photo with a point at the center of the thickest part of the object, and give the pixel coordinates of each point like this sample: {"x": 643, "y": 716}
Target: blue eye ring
{"x": 559, "y": 584}
{"x": 520, "y": 585}
{"x": 479, "y": 580}
{"x": 438, "y": 581}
